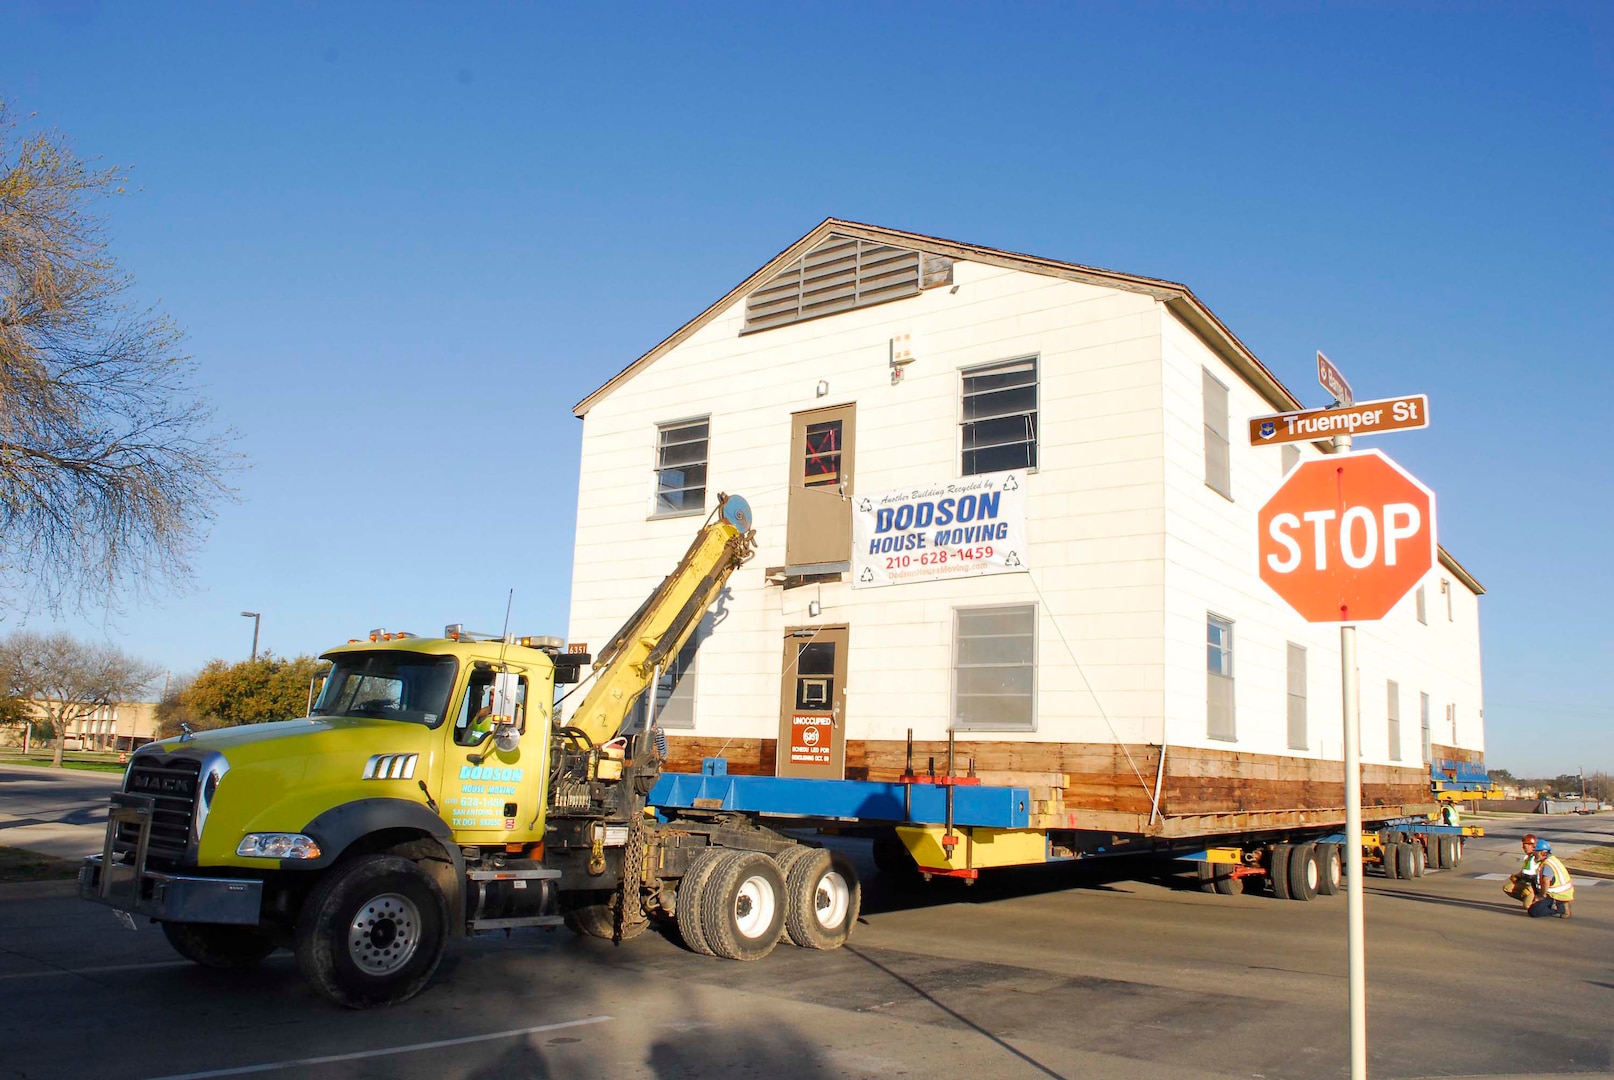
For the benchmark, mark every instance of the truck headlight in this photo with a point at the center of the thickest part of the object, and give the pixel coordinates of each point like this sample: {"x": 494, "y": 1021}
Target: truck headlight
{"x": 278, "y": 845}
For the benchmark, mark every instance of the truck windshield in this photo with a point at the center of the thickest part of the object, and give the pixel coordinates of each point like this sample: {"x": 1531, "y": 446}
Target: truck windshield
{"x": 391, "y": 685}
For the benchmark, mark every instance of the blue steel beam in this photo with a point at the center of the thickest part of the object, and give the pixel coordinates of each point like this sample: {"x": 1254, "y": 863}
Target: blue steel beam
{"x": 849, "y": 800}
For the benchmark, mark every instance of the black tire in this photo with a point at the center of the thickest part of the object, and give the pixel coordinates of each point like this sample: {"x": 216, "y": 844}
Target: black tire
{"x": 1436, "y": 849}
{"x": 1330, "y": 869}
{"x": 790, "y": 856}
{"x": 1448, "y": 851}
{"x": 822, "y": 899}
{"x": 1304, "y": 872}
{"x": 1403, "y": 861}
{"x": 1224, "y": 883}
{"x": 1420, "y": 859}
{"x": 1278, "y": 870}
{"x": 1458, "y": 842}
{"x": 1390, "y": 853}
{"x": 216, "y": 945}
{"x": 743, "y": 906}
{"x": 599, "y": 921}
{"x": 372, "y": 932}
{"x": 1207, "y": 875}
{"x": 690, "y": 891}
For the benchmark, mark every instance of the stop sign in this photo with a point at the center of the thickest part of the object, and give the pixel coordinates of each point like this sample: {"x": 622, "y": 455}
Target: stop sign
{"x": 1346, "y": 536}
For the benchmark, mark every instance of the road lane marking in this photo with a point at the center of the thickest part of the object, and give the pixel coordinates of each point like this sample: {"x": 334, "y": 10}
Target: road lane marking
{"x": 1490, "y": 877}
{"x": 332, "y": 1058}
{"x": 96, "y": 970}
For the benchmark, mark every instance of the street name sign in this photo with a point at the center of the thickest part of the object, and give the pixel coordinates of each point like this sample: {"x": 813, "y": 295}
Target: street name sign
{"x": 1333, "y": 381}
{"x": 1366, "y": 418}
{"x": 1346, "y": 536}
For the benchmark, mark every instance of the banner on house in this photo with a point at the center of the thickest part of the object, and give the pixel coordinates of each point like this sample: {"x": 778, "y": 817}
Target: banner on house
{"x": 961, "y": 528}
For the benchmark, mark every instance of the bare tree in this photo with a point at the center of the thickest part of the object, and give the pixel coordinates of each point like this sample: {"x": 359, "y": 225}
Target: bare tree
{"x": 69, "y": 679}
{"x": 109, "y": 461}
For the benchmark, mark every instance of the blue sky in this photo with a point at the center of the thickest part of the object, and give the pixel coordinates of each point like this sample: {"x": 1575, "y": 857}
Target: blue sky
{"x": 406, "y": 239}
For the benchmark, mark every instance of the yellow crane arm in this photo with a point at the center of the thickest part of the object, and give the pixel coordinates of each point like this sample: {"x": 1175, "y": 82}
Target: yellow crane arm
{"x": 655, "y": 633}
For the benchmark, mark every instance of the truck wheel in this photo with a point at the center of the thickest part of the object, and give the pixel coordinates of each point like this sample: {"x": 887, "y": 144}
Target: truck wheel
{"x": 1278, "y": 870}
{"x": 372, "y": 932}
{"x": 1420, "y": 859}
{"x": 1330, "y": 873}
{"x": 1403, "y": 860}
{"x": 822, "y": 899}
{"x": 1436, "y": 852}
{"x": 743, "y": 906}
{"x": 599, "y": 921}
{"x": 1448, "y": 851}
{"x": 1304, "y": 873}
{"x": 1225, "y": 883}
{"x": 690, "y": 891}
{"x": 1207, "y": 875}
{"x": 215, "y": 945}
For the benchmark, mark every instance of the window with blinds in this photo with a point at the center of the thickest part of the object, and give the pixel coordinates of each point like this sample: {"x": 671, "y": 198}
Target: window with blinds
{"x": 1218, "y": 459}
{"x": 842, "y": 273}
{"x": 681, "y": 450}
{"x": 994, "y": 668}
{"x": 1393, "y": 708}
{"x": 1000, "y": 417}
{"x": 1297, "y": 696}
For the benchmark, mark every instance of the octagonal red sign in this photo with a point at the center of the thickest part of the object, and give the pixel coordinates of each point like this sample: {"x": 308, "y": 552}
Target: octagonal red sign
{"x": 1345, "y": 537}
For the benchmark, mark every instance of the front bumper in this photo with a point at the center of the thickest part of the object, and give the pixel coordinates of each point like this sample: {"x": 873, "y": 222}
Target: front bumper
{"x": 171, "y": 897}
{"x": 130, "y": 886}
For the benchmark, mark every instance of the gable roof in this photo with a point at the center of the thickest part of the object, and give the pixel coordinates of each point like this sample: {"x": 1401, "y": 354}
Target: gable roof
{"x": 1177, "y": 298}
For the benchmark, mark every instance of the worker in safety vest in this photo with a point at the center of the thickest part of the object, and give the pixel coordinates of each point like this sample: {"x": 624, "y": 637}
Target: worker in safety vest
{"x": 1450, "y": 815}
{"x": 1553, "y": 884}
{"x": 1522, "y": 885}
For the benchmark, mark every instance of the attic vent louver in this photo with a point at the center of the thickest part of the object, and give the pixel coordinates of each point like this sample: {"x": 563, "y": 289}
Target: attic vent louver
{"x": 842, "y": 273}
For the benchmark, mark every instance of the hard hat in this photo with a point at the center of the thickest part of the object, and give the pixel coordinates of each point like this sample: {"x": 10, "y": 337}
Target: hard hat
{"x": 1544, "y": 847}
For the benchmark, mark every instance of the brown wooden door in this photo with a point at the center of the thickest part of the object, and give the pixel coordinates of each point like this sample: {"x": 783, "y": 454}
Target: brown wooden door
{"x": 822, "y": 442}
{"x": 812, "y": 704}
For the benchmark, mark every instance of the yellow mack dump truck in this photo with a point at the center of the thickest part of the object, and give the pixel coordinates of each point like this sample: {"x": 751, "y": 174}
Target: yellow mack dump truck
{"x": 434, "y": 791}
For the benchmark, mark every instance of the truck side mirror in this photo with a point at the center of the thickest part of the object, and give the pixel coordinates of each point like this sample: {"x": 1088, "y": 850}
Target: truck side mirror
{"x": 506, "y": 733}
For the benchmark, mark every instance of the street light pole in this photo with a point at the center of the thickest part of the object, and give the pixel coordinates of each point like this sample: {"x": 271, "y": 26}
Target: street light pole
{"x": 255, "y": 617}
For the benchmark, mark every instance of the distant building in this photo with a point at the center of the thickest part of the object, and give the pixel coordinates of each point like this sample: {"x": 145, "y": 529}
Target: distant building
{"x": 123, "y": 726}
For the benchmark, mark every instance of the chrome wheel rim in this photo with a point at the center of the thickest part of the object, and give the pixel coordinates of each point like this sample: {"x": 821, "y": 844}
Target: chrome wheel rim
{"x": 384, "y": 934}
{"x": 831, "y": 900}
{"x": 754, "y": 906}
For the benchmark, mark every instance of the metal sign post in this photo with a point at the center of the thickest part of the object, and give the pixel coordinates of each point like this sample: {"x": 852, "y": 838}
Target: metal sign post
{"x": 1356, "y": 924}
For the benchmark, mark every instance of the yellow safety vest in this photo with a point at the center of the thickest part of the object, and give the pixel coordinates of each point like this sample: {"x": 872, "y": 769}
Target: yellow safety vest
{"x": 1561, "y": 888}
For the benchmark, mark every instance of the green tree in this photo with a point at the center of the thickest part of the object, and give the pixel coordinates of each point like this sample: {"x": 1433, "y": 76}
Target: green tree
{"x": 223, "y": 694}
{"x": 110, "y": 464}
{"x": 1501, "y": 776}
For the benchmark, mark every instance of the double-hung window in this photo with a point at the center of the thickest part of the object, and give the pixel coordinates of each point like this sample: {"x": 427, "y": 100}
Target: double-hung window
{"x": 1218, "y": 457}
{"x": 681, "y": 454}
{"x": 999, "y": 417}
{"x": 994, "y": 668}
{"x": 1219, "y": 678}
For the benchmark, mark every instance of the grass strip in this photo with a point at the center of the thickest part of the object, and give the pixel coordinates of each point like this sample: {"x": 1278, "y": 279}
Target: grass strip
{"x": 19, "y": 865}
{"x": 1600, "y": 858}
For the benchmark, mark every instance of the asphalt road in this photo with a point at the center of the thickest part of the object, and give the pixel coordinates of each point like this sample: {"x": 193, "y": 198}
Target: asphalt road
{"x": 1069, "y": 973}
{"x": 58, "y": 812}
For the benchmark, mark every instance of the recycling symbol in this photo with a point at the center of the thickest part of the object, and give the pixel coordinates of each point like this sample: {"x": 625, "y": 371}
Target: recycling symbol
{"x": 1011, "y": 560}
{"x": 1009, "y": 483}
{"x": 864, "y": 506}
{"x": 867, "y": 575}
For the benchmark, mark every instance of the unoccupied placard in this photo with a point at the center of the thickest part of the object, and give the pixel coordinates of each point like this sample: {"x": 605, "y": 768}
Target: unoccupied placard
{"x": 957, "y": 528}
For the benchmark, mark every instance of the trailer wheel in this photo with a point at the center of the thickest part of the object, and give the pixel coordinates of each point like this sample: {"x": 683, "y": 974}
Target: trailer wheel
{"x": 218, "y": 946}
{"x": 1420, "y": 859}
{"x": 790, "y": 856}
{"x": 1447, "y": 846}
{"x": 1403, "y": 861}
{"x": 822, "y": 899}
{"x": 1278, "y": 870}
{"x": 1436, "y": 850}
{"x": 1330, "y": 872}
{"x": 743, "y": 906}
{"x": 1303, "y": 872}
{"x": 690, "y": 892}
{"x": 1207, "y": 875}
{"x": 1458, "y": 841}
{"x": 372, "y": 932}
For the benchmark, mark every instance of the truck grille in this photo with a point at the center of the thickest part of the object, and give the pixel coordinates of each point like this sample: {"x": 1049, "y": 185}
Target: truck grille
{"x": 172, "y": 784}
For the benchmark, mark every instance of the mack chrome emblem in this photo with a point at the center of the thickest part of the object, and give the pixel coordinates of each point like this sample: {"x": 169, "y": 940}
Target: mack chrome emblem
{"x": 390, "y": 767}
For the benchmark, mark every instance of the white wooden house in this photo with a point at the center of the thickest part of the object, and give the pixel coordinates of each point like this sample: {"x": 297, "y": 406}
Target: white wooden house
{"x": 1129, "y": 648}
